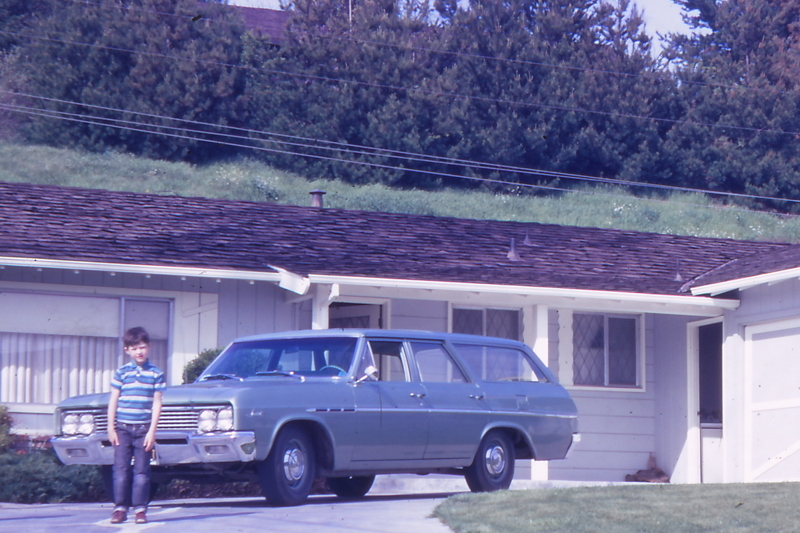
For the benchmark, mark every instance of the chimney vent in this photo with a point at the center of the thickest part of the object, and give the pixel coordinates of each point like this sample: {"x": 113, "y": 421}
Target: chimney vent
{"x": 316, "y": 198}
{"x": 512, "y": 253}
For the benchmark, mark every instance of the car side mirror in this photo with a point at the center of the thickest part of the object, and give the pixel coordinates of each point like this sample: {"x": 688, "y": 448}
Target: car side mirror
{"x": 370, "y": 373}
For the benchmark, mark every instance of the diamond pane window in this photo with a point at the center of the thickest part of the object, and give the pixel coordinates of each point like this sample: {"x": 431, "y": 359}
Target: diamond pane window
{"x": 502, "y": 323}
{"x": 604, "y": 351}
{"x": 468, "y": 321}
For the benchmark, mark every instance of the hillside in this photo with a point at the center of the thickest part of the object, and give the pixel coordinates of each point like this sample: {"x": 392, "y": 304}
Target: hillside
{"x": 244, "y": 179}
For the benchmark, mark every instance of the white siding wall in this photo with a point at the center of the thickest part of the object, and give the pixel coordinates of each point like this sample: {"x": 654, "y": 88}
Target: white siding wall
{"x": 251, "y": 309}
{"x": 673, "y": 451}
{"x": 617, "y": 427}
{"x": 422, "y": 315}
{"x": 759, "y": 305}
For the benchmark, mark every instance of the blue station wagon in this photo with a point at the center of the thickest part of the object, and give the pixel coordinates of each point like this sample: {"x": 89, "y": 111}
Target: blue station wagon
{"x": 346, "y": 405}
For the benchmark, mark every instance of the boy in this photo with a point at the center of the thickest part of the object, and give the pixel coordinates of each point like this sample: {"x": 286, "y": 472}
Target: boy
{"x": 133, "y": 412}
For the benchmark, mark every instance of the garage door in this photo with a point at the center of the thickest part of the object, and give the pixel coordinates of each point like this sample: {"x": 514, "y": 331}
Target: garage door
{"x": 772, "y": 401}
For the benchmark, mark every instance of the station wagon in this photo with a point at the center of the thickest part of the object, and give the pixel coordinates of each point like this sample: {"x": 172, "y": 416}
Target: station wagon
{"x": 346, "y": 405}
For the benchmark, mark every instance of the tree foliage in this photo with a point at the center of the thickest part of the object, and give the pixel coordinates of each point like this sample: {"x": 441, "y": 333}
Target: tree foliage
{"x": 739, "y": 83}
{"x": 411, "y": 93}
{"x": 162, "y": 61}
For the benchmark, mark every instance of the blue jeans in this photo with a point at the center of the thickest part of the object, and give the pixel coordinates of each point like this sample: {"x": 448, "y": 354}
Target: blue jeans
{"x": 131, "y": 481}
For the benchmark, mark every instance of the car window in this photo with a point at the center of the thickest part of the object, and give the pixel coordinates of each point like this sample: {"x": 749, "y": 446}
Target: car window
{"x": 313, "y": 356}
{"x": 435, "y": 364}
{"x": 389, "y": 358}
{"x": 497, "y": 363}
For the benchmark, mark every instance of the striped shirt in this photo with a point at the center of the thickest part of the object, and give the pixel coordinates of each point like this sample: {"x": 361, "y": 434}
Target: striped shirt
{"x": 137, "y": 385}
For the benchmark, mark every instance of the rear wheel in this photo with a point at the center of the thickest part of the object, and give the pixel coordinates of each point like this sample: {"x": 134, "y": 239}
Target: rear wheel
{"x": 351, "y": 487}
{"x": 288, "y": 472}
{"x": 493, "y": 466}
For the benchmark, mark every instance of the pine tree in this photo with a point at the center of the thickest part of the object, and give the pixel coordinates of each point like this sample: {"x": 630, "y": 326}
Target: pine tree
{"x": 160, "y": 61}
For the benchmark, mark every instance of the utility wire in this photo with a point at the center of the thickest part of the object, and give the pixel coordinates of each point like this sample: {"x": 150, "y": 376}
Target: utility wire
{"x": 414, "y": 89}
{"x": 337, "y": 147}
{"x": 649, "y": 77}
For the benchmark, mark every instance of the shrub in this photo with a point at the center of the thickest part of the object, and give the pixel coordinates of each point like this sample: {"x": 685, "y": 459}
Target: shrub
{"x": 40, "y": 477}
{"x": 195, "y": 367}
{"x": 5, "y": 429}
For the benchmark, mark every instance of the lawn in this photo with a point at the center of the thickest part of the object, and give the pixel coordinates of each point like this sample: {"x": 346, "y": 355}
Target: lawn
{"x": 635, "y": 508}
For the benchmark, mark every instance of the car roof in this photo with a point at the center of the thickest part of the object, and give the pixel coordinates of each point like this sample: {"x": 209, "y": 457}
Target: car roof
{"x": 383, "y": 333}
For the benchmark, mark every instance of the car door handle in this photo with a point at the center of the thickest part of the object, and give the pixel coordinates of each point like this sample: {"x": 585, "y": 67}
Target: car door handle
{"x": 477, "y": 396}
{"x": 418, "y": 395}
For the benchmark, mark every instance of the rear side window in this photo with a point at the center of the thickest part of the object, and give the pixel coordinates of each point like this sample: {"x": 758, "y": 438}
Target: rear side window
{"x": 497, "y": 363}
{"x": 435, "y": 364}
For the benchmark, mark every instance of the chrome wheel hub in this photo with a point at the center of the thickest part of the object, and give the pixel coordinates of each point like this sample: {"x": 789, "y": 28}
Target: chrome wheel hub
{"x": 294, "y": 464}
{"x": 495, "y": 460}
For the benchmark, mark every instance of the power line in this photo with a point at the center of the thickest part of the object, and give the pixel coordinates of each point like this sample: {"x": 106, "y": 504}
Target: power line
{"x": 332, "y": 146}
{"x": 414, "y": 89}
{"x": 439, "y": 174}
{"x": 468, "y": 55}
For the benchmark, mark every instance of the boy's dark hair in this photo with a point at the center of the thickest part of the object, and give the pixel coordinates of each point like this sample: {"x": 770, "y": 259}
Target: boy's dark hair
{"x": 135, "y": 336}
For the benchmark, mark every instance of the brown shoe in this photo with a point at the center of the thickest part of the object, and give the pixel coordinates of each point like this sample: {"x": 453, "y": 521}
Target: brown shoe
{"x": 141, "y": 518}
{"x": 117, "y": 517}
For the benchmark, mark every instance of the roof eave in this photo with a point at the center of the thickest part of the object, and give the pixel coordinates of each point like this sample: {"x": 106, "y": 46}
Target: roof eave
{"x": 678, "y": 304}
{"x": 714, "y": 289}
{"x": 145, "y": 269}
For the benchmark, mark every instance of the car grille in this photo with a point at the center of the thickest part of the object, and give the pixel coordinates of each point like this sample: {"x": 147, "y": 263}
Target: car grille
{"x": 173, "y": 418}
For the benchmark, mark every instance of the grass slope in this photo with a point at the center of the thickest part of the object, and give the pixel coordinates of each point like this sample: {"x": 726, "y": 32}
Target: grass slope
{"x": 635, "y": 508}
{"x": 245, "y": 179}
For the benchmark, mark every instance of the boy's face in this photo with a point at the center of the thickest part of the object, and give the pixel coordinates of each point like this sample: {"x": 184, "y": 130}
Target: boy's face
{"x": 138, "y": 352}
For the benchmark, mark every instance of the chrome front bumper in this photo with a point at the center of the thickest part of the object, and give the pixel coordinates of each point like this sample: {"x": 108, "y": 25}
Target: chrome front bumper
{"x": 576, "y": 438}
{"x": 172, "y": 448}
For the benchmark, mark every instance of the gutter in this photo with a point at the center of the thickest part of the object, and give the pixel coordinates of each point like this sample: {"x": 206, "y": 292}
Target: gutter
{"x": 633, "y": 297}
{"x": 741, "y": 284}
{"x": 301, "y": 284}
{"x": 123, "y": 268}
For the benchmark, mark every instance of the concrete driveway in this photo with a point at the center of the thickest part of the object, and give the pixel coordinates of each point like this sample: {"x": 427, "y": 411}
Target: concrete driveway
{"x": 396, "y": 504}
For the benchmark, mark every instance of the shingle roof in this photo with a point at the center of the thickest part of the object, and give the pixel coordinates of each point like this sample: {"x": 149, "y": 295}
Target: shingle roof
{"x": 121, "y": 227}
{"x": 784, "y": 258}
{"x": 265, "y": 22}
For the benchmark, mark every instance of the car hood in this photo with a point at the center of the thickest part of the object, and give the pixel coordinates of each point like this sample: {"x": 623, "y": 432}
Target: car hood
{"x": 205, "y": 393}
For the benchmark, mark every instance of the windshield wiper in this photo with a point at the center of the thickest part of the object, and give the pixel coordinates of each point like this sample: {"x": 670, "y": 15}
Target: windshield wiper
{"x": 220, "y": 376}
{"x": 280, "y": 373}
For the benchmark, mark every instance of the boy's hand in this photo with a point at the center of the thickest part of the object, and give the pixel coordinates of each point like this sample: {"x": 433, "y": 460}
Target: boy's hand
{"x": 112, "y": 437}
{"x": 149, "y": 441}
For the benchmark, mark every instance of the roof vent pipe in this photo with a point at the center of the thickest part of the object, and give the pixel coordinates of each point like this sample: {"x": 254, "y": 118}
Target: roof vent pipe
{"x": 316, "y": 198}
{"x": 528, "y": 241}
{"x": 512, "y": 253}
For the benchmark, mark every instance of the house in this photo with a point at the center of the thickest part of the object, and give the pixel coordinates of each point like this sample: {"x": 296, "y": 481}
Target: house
{"x": 679, "y": 347}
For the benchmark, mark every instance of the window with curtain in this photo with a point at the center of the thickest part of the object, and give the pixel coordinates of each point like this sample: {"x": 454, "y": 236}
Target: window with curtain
{"x": 53, "y": 346}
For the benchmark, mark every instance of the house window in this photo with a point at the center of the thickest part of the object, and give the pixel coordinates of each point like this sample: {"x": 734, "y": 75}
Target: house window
{"x": 605, "y": 350}
{"x": 53, "y": 346}
{"x": 504, "y": 323}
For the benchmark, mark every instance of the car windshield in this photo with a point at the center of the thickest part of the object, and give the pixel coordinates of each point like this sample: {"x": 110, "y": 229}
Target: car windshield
{"x": 318, "y": 356}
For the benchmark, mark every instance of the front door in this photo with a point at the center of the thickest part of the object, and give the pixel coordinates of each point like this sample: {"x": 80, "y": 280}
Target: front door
{"x": 710, "y": 395}
{"x": 399, "y": 434}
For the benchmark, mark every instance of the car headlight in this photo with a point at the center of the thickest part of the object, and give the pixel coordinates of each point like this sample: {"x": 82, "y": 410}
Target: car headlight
{"x": 69, "y": 424}
{"x": 215, "y": 420}
{"x": 86, "y": 424}
{"x": 207, "y": 421}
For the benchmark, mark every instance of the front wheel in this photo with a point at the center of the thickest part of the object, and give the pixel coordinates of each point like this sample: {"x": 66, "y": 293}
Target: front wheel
{"x": 493, "y": 466}
{"x": 288, "y": 472}
{"x": 351, "y": 487}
